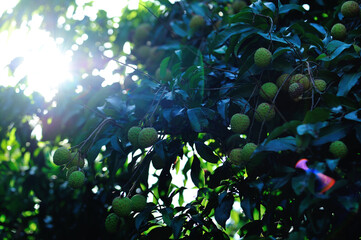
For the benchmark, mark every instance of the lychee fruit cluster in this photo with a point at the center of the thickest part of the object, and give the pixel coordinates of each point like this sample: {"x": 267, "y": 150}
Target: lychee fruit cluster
{"x": 264, "y": 112}
{"x": 142, "y": 138}
{"x": 350, "y": 9}
{"x": 76, "y": 179}
{"x": 196, "y": 22}
{"x": 61, "y": 156}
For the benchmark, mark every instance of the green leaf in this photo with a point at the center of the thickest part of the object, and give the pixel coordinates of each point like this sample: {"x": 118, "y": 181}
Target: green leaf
{"x": 299, "y": 183}
{"x": 281, "y": 144}
{"x": 311, "y": 129}
{"x": 206, "y": 152}
{"x": 347, "y": 82}
{"x": 177, "y": 225}
{"x": 317, "y": 115}
{"x": 354, "y": 116}
{"x": 197, "y": 119}
{"x": 290, "y": 126}
{"x": 196, "y": 172}
{"x": 351, "y": 204}
{"x": 283, "y": 9}
{"x": 331, "y": 134}
{"x": 223, "y": 210}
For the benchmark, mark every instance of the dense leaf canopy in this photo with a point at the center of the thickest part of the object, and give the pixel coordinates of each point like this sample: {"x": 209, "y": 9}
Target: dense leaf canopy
{"x": 185, "y": 68}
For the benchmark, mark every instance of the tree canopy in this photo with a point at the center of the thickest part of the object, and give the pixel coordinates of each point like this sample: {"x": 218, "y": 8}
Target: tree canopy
{"x": 199, "y": 112}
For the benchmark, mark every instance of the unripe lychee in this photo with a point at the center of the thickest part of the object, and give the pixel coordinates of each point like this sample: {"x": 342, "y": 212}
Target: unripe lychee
{"x": 295, "y": 90}
{"x": 111, "y": 223}
{"x": 338, "y": 149}
{"x": 76, "y": 160}
{"x": 61, "y": 156}
{"x": 338, "y": 31}
{"x": 71, "y": 170}
{"x": 196, "y": 22}
{"x": 122, "y": 206}
{"x": 238, "y": 5}
{"x": 262, "y": 57}
{"x": 268, "y": 91}
{"x": 158, "y": 162}
{"x": 166, "y": 78}
{"x": 247, "y": 151}
{"x": 264, "y": 111}
{"x": 300, "y": 78}
{"x": 133, "y": 134}
{"x": 320, "y": 85}
{"x": 235, "y": 156}
{"x": 143, "y": 52}
{"x": 76, "y": 179}
{"x": 350, "y": 9}
{"x": 142, "y": 33}
{"x": 282, "y": 79}
{"x": 239, "y": 123}
{"x": 138, "y": 202}
{"x": 147, "y": 137}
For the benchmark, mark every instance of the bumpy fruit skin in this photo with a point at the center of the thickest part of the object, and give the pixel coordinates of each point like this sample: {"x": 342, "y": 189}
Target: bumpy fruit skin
{"x": 281, "y": 79}
{"x": 247, "y": 151}
{"x": 61, "y": 156}
{"x": 338, "y": 31}
{"x": 338, "y": 149}
{"x": 111, "y": 223}
{"x": 235, "y": 156}
{"x": 166, "y": 78}
{"x": 295, "y": 90}
{"x": 147, "y": 137}
{"x": 238, "y": 5}
{"x": 239, "y": 123}
{"x": 122, "y": 206}
{"x": 142, "y": 33}
{"x": 300, "y": 78}
{"x": 139, "y": 202}
{"x": 71, "y": 170}
{"x": 158, "y": 162}
{"x": 133, "y": 134}
{"x": 264, "y": 111}
{"x": 196, "y": 22}
{"x": 268, "y": 91}
{"x": 350, "y": 9}
{"x": 76, "y": 179}
{"x": 320, "y": 85}
{"x": 76, "y": 161}
{"x": 262, "y": 57}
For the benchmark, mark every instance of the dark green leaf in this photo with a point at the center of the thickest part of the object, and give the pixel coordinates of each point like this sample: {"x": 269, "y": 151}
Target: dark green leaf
{"x": 223, "y": 210}
{"x": 347, "y": 82}
{"x": 281, "y": 144}
{"x": 206, "y": 152}
{"x": 317, "y": 115}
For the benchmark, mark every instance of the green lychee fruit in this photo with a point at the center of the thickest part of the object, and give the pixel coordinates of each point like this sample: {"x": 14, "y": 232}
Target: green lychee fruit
{"x": 138, "y": 202}
{"x": 76, "y": 179}
{"x": 338, "y": 31}
{"x": 320, "y": 85}
{"x": 239, "y": 123}
{"x": 76, "y": 160}
{"x": 235, "y": 156}
{"x": 264, "y": 111}
{"x": 111, "y": 223}
{"x": 196, "y": 22}
{"x": 71, "y": 170}
{"x": 155, "y": 57}
{"x": 262, "y": 57}
{"x": 300, "y": 78}
{"x": 141, "y": 34}
{"x": 295, "y": 90}
{"x": 122, "y": 206}
{"x": 61, "y": 156}
{"x": 238, "y": 5}
{"x": 166, "y": 78}
{"x": 133, "y": 134}
{"x": 247, "y": 151}
{"x": 143, "y": 52}
{"x": 338, "y": 149}
{"x": 281, "y": 79}
{"x": 268, "y": 91}
{"x": 350, "y": 9}
{"x": 158, "y": 162}
{"x": 147, "y": 137}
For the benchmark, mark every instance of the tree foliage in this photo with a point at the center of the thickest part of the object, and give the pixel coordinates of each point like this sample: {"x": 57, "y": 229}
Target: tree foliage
{"x": 190, "y": 68}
